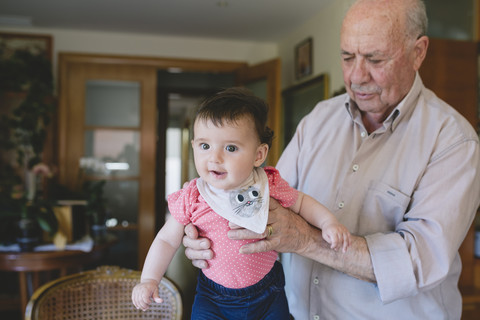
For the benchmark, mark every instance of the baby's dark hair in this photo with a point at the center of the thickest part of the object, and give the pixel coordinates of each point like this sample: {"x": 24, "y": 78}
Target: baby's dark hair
{"x": 231, "y": 104}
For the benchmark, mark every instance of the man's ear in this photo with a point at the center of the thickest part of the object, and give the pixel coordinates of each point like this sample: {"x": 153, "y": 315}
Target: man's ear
{"x": 420, "y": 51}
{"x": 262, "y": 152}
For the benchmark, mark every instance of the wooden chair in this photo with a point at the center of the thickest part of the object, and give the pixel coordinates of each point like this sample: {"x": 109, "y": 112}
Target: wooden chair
{"x": 104, "y": 293}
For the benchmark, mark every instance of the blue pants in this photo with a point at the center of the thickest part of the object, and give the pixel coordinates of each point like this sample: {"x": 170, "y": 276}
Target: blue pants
{"x": 261, "y": 301}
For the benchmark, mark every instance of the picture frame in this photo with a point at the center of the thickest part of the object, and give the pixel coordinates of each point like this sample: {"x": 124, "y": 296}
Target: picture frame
{"x": 299, "y": 100}
{"x": 35, "y": 43}
{"x": 304, "y": 58}
{"x": 16, "y": 68}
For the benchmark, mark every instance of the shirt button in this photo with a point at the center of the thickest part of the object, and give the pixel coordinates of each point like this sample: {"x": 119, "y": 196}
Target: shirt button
{"x": 363, "y": 134}
{"x": 316, "y": 317}
{"x": 341, "y": 205}
{"x": 355, "y": 167}
{"x": 315, "y": 281}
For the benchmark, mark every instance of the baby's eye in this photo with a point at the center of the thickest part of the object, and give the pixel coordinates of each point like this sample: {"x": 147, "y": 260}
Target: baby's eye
{"x": 204, "y": 146}
{"x": 231, "y": 148}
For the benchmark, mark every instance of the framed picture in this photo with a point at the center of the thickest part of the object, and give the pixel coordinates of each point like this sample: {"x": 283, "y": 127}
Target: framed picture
{"x": 299, "y": 100}
{"x": 35, "y": 43}
{"x": 304, "y": 58}
{"x": 23, "y": 56}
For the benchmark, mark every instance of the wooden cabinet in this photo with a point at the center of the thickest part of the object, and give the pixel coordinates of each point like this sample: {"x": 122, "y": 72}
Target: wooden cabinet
{"x": 451, "y": 71}
{"x": 97, "y": 129}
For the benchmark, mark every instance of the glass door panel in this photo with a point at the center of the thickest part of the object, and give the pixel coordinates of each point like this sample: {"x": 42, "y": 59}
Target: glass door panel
{"x": 112, "y": 103}
{"x": 113, "y": 153}
{"x": 112, "y": 139}
{"x": 123, "y": 202}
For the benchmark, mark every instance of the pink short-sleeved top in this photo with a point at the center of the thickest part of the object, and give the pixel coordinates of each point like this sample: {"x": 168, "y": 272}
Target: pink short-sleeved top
{"x": 228, "y": 268}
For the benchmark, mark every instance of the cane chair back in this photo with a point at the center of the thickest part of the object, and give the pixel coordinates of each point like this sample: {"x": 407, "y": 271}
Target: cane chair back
{"x": 104, "y": 293}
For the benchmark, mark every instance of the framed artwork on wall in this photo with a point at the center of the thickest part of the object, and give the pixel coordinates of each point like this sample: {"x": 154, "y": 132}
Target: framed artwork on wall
{"x": 26, "y": 100}
{"x": 22, "y": 56}
{"x": 35, "y": 43}
{"x": 304, "y": 58}
{"x": 299, "y": 100}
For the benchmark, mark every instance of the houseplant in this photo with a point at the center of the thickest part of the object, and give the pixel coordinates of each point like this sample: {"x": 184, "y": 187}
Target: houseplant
{"x": 27, "y": 77}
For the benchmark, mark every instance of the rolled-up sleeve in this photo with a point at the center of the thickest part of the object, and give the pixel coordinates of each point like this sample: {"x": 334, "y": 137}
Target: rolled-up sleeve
{"x": 392, "y": 266}
{"x": 422, "y": 251}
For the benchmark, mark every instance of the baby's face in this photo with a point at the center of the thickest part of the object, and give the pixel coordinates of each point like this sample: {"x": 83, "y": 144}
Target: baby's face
{"x": 226, "y": 155}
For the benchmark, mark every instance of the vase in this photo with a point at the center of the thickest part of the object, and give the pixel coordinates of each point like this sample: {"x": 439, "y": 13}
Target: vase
{"x": 99, "y": 233}
{"x": 28, "y": 236}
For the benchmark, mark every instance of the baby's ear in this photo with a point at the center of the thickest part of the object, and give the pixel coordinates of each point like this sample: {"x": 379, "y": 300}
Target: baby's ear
{"x": 262, "y": 152}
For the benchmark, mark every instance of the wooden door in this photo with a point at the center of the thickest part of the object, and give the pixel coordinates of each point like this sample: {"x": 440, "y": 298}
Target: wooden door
{"x": 137, "y": 214}
{"x": 264, "y": 79}
{"x": 76, "y": 69}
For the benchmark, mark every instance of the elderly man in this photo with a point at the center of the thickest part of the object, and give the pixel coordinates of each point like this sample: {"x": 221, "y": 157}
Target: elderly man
{"x": 395, "y": 164}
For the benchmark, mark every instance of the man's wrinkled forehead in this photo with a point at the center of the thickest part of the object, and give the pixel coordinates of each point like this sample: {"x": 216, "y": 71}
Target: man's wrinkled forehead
{"x": 371, "y": 34}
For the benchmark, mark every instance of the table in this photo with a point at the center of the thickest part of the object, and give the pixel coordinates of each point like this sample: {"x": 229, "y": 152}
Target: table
{"x": 30, "y": 264}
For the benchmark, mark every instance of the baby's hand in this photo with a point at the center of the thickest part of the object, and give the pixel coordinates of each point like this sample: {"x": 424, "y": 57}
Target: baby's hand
{"x": 337, "y": 235}
{"x": 144, "y": 292}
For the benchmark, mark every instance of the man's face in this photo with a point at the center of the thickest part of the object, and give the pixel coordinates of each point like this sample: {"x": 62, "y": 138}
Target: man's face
{"x": 377, "y": 63}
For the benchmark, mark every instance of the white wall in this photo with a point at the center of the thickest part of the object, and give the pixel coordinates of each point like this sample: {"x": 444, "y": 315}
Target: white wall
{"x": 324, "y": 28}
{"x": 153, "y": 46}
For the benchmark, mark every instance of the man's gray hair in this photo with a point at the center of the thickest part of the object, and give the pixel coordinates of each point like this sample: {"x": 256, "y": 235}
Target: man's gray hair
{"x": 416, "y": 20}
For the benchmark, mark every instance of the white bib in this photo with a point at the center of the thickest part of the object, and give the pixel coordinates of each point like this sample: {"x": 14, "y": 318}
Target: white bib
{"x": 246, "y": 206}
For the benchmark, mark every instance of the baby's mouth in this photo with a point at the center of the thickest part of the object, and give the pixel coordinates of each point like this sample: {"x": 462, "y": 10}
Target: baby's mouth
{"x": 217, "y": 173}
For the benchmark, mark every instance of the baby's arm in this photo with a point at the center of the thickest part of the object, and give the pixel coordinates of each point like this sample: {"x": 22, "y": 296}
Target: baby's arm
{"x": 318, "y": 215}
{"x": 159, "y": 256}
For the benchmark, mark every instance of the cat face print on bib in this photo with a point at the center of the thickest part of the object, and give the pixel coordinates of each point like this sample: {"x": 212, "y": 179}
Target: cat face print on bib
{"x": 246, "y": 202}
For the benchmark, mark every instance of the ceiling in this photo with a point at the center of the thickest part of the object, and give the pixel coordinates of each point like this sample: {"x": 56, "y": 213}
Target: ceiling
{"x": 252, "y": 20}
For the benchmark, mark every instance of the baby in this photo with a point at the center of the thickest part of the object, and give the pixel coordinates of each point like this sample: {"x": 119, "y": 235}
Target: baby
{"x": 230, "y": 143}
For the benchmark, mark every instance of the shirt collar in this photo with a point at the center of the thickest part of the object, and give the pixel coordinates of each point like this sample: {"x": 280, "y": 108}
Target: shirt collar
{"x": 404, "y": 107}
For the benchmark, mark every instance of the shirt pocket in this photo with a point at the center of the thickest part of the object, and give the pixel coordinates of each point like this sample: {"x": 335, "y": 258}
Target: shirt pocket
{"x": 383, "y": 208}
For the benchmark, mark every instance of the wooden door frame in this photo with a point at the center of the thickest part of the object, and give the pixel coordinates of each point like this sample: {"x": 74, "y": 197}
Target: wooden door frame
{"x": 68, "y": 60}
{"x": 271, "y": 71}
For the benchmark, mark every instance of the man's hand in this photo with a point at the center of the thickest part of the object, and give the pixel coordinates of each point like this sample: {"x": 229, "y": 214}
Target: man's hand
{"x": 196, "y": 249}
{"x": 290, "y": 232}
